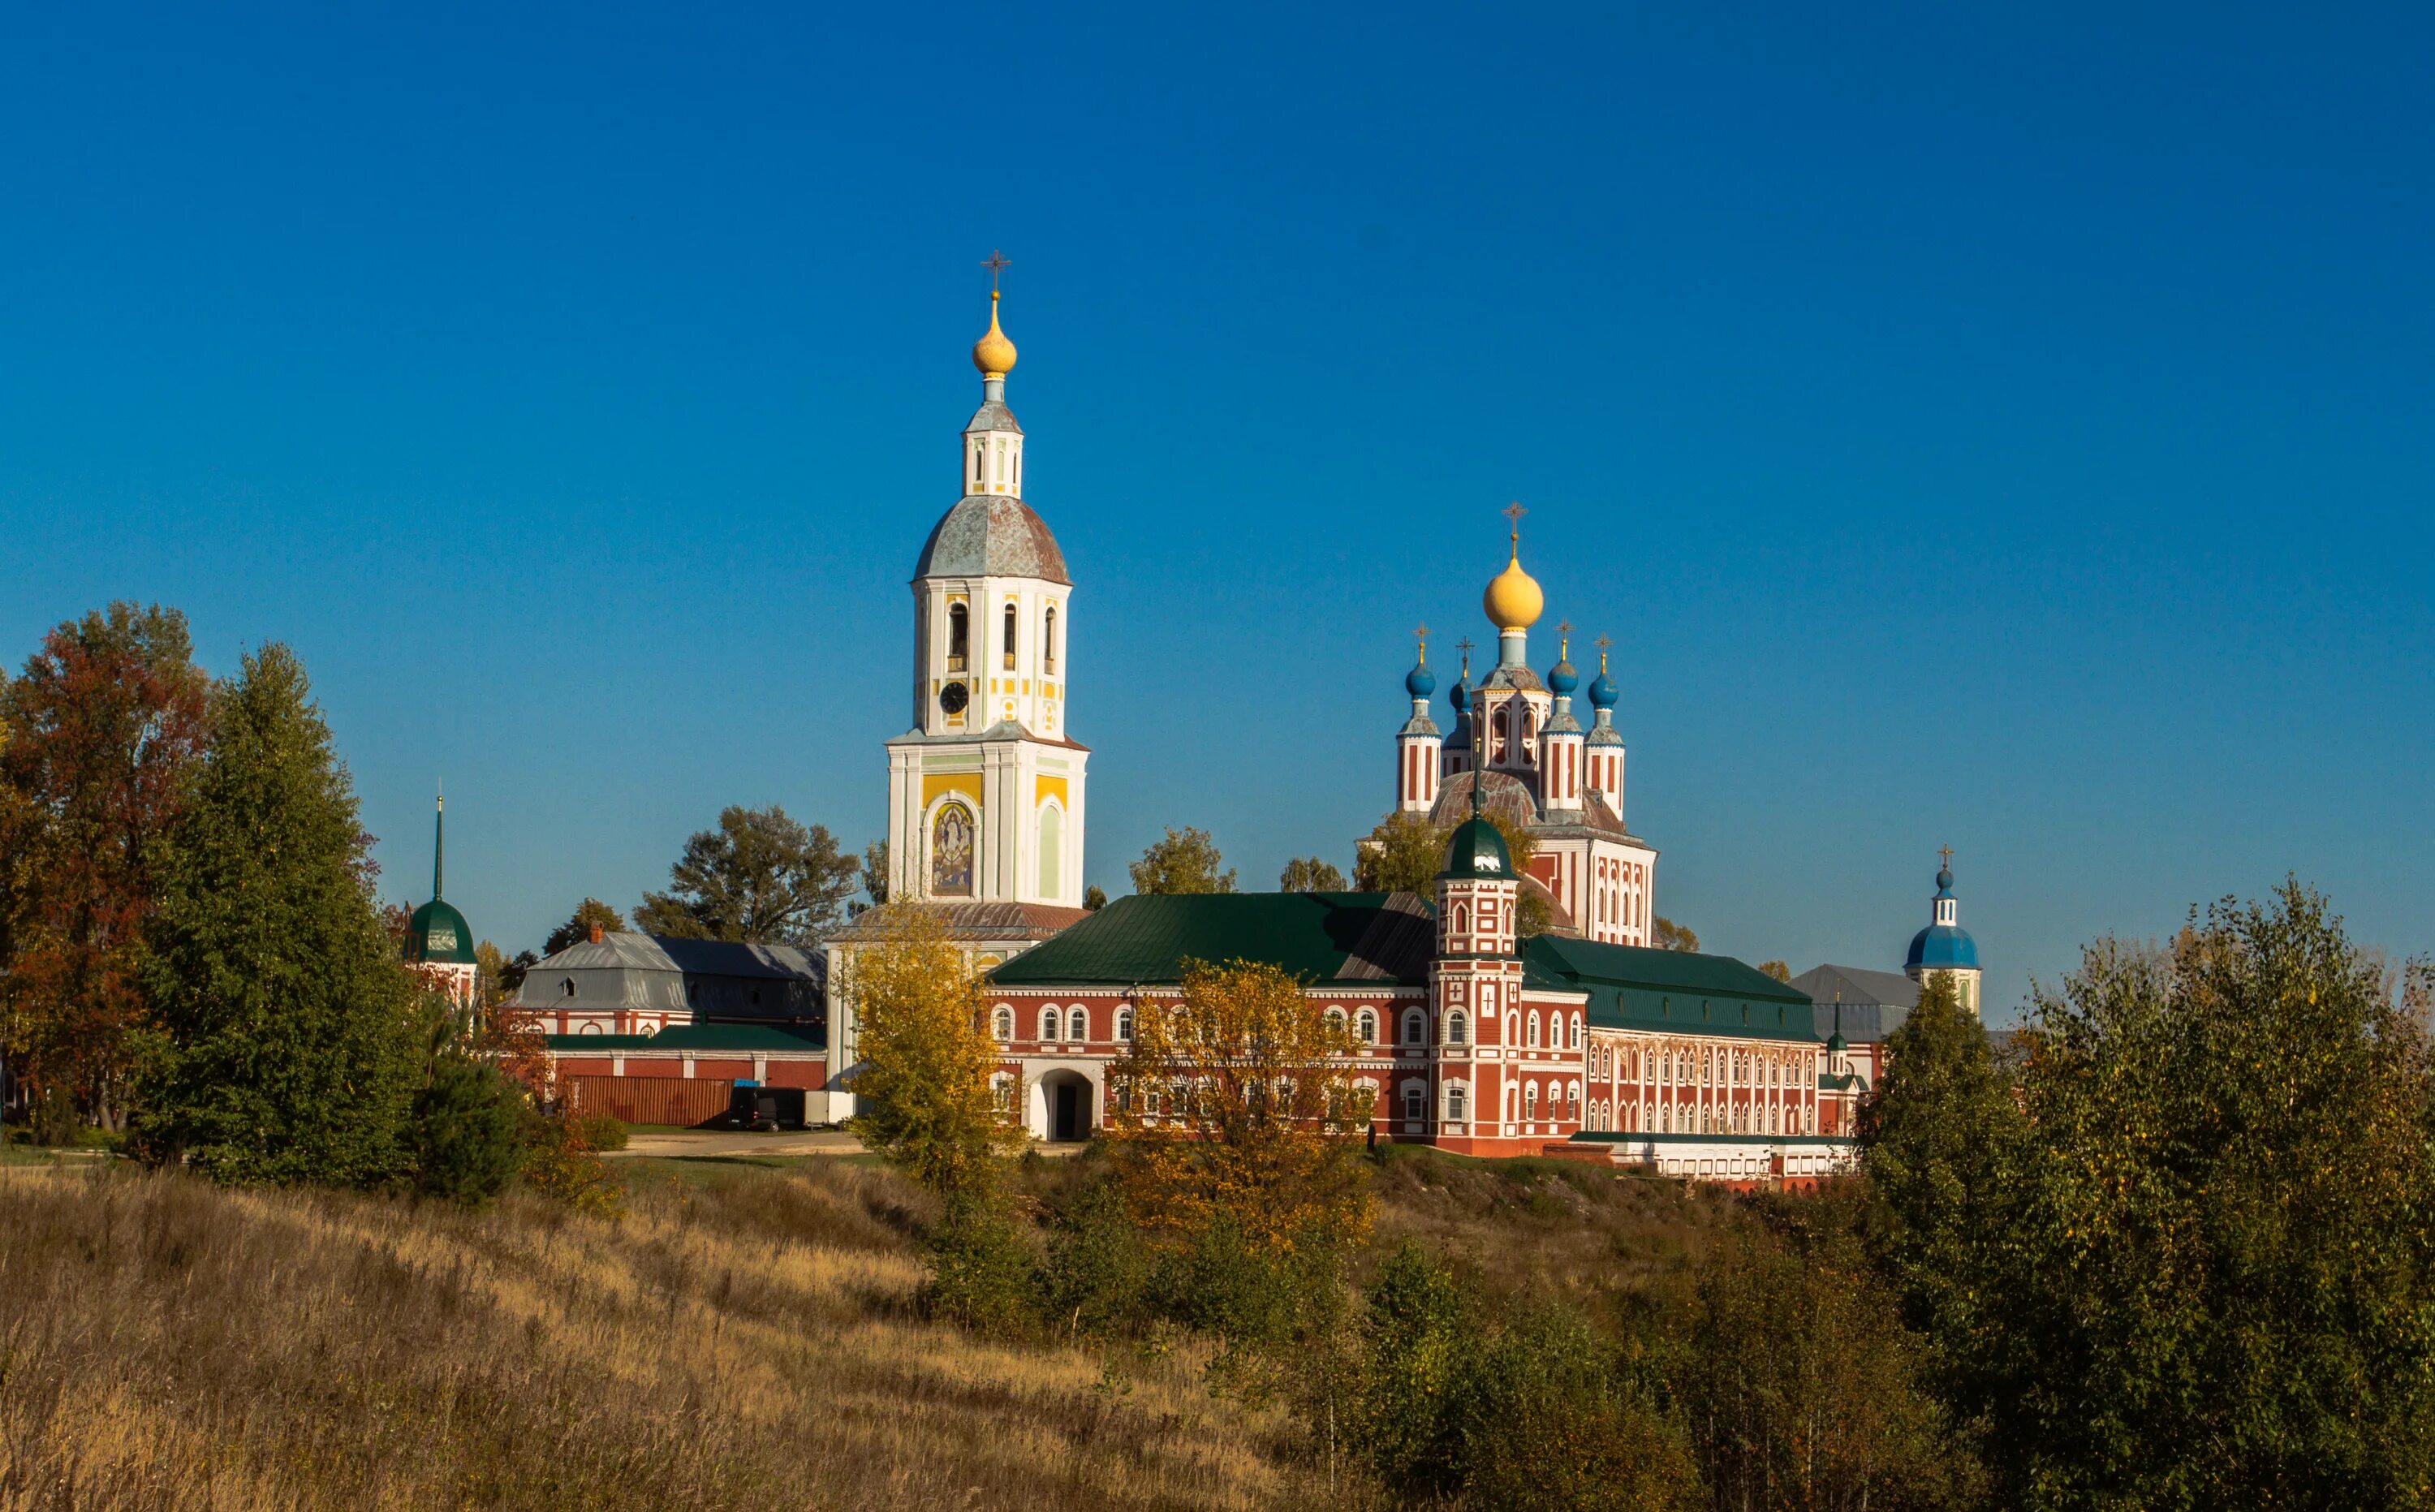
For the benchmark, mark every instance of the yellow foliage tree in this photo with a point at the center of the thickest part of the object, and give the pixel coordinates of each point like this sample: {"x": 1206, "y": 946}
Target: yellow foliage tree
{"x": 925, "y": 1059}
{"x": 1236, "y": 1104}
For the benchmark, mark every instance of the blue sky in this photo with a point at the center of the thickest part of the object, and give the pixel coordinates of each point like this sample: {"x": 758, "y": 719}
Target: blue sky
{"x": 2005, "y": 430}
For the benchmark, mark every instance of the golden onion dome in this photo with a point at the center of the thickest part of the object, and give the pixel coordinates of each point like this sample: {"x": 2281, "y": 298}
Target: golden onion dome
{"x": 1513, "y": 601}
{"x": 993, "y": 355}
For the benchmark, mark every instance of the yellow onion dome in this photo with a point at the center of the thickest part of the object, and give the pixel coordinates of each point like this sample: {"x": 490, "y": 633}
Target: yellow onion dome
{"x": 993, "y": 355}
{"x": 1513, "y": 601}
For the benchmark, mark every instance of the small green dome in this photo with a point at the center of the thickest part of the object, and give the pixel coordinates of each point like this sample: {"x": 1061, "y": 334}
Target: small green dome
{"x": 1477, "y": 851}
{"x": 438, "y": 935}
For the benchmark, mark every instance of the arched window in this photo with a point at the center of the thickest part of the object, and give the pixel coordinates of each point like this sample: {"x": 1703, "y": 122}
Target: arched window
{"x": 1534, "y": 1028}
{"x": 1125, "y": 1026}
{"x": 951, "y": 851}
{"x": 1414, "y": 1032}
{"x": 959, "y": 636}
{"x": 1002, "y": 1093}
{"x": 1078, "y": 1026}
{"x": 1455, "y": 1101}
{"x": 1456, "y": 1031}
{"x": 1336, "y": 1021}
{"x": 1052, "y": 849}
{"x": 1047, "y": 1026}
{"x": 1048, "y": 639}
{"x": 1573, "y": 1034}
{"x": 1531, "y": 1103}
{"x": 1002, "y": 1024}
{"x": 566, "y": 988}
{"x": 981, "y": 466}
{"x": 1512, "y": 1029}
{"x": 1459, "y": 920}
{"x": 1006, "y": 652}
{"x": 1364, "y": 1028}
{"x": 1415, "y": 1103}
{"x": 1573, "y": 1102}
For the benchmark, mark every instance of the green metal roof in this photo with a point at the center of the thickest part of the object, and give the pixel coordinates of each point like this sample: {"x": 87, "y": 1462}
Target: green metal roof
{"x": 1672, "y": 991}
{"x": 1371, "y": 937}
{"x": 1475, "y": 851}
{"x": 694, "y": 1037}
{"x": 437, "y": 935}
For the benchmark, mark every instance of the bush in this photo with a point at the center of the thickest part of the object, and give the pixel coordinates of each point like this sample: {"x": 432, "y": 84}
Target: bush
{"x": 558, "y": 1164}
{"x": 1095, "y": 1282}
{"x": 466, "y": 1131}
{"x": 599, "y": 1132}
{"x": 981, "y": 1271}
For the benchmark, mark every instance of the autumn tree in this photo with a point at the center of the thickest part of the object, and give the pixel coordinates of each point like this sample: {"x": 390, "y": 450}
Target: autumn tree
{"x": 1781, "y": 971}
{"x": 1310, "y": 874}
{"x": 1233, "y": 1107}
{"x": 284, "y": 1047}
{"x": 1185, "y": 861}
{"x": 760, "y": 878}
{"x": 925, "y": 1059}
{"x": 100, "y": 730}
{"x": 1669, "y": 935}
{"x": 590, "y": 913}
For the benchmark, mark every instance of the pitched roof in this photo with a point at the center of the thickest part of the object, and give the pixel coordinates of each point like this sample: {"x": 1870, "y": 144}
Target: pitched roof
{"x": 1873, "y": 1003}
{"x": 1319, "y": 936}
{"x": 1633, "y": 986}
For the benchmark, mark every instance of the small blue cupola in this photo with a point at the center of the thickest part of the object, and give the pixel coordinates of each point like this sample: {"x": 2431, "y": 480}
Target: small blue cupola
{"x": 1943, "y": 945}
{"x": 1420, "y": 682}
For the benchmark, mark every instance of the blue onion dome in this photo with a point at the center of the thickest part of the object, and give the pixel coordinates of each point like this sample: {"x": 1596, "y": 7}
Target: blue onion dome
{"x": 1420, "y": 682}
{"x": 1459, "y": 696}
{"x": 1944, "y": 881}
{"x": 1943, "y": 947}
{"x": 1602, "y": 690}
{"x": 1562, "y": 680}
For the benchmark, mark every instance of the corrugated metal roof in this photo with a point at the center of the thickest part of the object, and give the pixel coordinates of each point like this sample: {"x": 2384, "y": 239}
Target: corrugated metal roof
{"x": 1633, "y": 986}
{"x": 986, "y": 921}
{"x": 1875, "y": 1004}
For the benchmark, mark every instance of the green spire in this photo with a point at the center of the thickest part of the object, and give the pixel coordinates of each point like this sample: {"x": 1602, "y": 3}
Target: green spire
{"x": 438, "y": 826}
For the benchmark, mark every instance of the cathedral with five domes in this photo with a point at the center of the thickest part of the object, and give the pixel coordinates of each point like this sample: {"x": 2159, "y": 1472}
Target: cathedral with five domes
{"x": 1517, "y": 745}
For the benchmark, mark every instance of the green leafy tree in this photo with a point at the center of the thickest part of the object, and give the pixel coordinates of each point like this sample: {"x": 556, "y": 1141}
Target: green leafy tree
{"x": 1186, "y": 861}
{"x": 2215, "y": 1282}
{"x": 1779, "y": 969}
{"x": 284, "y": 1049}
{"x": 760, "y": 878}
{"x": 98, "y": 737}
{"x": 1669, "y": 935}
{"x": 1405, "y": 854}
{"x": 589, "y": 914}
{"x": 1310, "y": 874}
{"x": 1941, "y": 1141}
{"x": 874, "y": 870}
{"x": 1095, "y": 898}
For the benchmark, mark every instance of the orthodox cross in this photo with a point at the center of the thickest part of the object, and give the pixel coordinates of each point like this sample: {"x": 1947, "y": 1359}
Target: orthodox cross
{"x": 1946, "y": 855}
{"x": 1464, "y": 646}
{"x": 1564, "y": 640}
{"x": 1602, "y": 642}
{"x": 993, "y": 263}
{"x": 1424, "y": 633}
{"x": 1514, "y": 512}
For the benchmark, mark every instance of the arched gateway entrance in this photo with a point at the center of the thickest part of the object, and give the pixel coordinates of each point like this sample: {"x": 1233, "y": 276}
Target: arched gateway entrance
{"x": 1066, "y": 1106}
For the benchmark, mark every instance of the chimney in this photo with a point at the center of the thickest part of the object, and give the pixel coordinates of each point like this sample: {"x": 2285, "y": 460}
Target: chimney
{"x": 596, "y": 933}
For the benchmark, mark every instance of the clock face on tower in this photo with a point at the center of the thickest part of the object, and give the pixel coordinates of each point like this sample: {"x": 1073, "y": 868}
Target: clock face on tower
{"x": 953, "y": 698}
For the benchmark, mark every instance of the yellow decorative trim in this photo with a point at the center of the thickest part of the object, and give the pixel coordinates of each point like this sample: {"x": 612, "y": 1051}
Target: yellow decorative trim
{"x": 965, "y": 785}
{"x": 1044, "y": 788}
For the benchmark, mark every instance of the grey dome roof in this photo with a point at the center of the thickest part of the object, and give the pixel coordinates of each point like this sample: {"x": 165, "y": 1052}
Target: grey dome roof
{"x": 992, "y": 535}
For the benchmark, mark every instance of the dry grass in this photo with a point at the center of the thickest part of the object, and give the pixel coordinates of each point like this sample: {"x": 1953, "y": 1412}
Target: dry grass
{"x": 745, "y": 1337}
